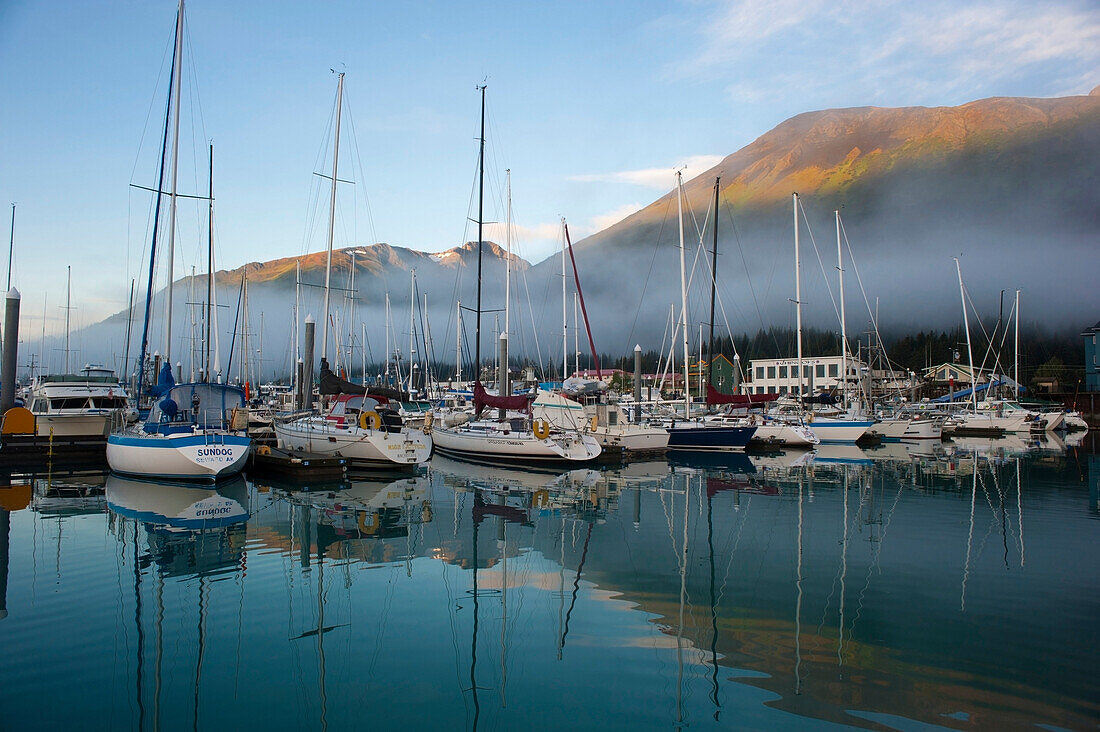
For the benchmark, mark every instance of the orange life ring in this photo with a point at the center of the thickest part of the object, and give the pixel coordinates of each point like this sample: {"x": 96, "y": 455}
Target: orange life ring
{"x": 370, "y": 420}
{"x": 541, "y": 429}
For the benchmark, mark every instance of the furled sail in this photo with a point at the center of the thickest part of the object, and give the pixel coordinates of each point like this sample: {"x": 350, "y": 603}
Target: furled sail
{"x": 716, "y": 397}
{"x": 483, "y": 399}
{"x": 330, "y": 383}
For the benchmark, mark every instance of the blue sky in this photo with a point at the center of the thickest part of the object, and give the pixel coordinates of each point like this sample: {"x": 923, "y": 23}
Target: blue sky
{"x": 591, "y": 105}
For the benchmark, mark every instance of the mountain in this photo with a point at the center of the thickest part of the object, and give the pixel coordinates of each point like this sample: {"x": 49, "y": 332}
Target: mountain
{"x": 381, "y": 270}
{"x": 1010, "y": 186}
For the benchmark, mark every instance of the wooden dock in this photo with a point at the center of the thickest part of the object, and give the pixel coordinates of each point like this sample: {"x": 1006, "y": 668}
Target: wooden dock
{"x": 34, "y": 454}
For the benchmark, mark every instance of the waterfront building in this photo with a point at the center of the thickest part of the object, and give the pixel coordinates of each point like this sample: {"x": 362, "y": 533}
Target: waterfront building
{"x": 780, "y": 375}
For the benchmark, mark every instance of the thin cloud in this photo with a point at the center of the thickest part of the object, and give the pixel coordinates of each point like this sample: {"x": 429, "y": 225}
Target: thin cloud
{"x": 661, "y": 179}
{"x": 883, "y": 52}
{"x": 545, "y": 240}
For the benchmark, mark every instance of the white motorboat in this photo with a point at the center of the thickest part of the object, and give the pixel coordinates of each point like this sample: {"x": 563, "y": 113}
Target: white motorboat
{"x": 78, "y": 405}
{"x": 1073, "y": 421}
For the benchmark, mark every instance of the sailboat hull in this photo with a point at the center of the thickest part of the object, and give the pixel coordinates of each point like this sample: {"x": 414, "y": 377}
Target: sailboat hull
{"x": 184, "y": 456}
{"x": 522, "y": 448}
{"x": 368, "y": 448}
{"x": 838, "y": 430}
{"x": 709, "y": 438}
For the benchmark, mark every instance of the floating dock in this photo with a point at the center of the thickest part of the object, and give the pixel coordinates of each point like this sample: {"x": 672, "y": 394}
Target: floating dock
{"x": 267, "y": 460}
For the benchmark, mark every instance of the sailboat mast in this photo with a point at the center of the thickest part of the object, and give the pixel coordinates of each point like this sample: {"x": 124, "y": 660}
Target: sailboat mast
{"x": 508, "y": 251}
{"x": 129, "y": 333}
{"x": 332, "y": 211}
{"x": 683, "y": 290}
{"x": 798, "y": 293}
{"x": 11, "y": 246}
{"x": 191, "y": 317}
{"x": 713, "y": 287}
{"x": 480, "y": 224}
{"x": 156, "y": 223}
{"x": 458, "y": 341}
{"x": 412, "y": 327}
{"x": 178, "y": 62}
{"x": 68, "y": 310}
{"x": 969, "y": 350}
{"x": 387, "y": 329}
{"x": 576, "y": 337}
{"x": 843, "y": 322}
{"x": 1016, "y": 351}
{"x": 564, "y": 321}
{"x": 210, "y": 268}
{"x": 297, "y": 315}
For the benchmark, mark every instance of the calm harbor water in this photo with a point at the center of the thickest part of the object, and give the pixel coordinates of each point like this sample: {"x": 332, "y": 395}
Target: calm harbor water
{"x": 890, "y": 588}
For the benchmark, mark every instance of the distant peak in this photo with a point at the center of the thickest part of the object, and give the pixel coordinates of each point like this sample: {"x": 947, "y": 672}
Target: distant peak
{"x": 1095, "y": 92}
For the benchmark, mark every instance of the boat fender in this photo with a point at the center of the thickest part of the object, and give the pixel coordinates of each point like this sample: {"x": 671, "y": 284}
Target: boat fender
{"x": 541, "y": 429}
{"x": 594, "y": 422}
{"x": 263, "y": 450}
{"x": 428, "y": 423}
{"x": 370, "y": 420}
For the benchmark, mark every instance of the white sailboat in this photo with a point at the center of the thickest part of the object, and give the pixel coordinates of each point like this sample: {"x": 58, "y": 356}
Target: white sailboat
{"x": 361, "y": 424}
{"x": 196, "y": 430}
{"x": 513, "y": 435}
{"x": 827, "y": 429}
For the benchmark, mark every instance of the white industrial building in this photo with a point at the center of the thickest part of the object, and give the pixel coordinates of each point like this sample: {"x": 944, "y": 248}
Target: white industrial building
{"x": 780, "y": 375}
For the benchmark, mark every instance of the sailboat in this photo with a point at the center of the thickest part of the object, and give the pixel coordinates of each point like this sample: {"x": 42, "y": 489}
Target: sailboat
{"x": 362, "y": 425}
{"x": 691, "y": 434}
{"x": 196, "y": 430}
{"x": 584, "y": 404}
{"x": 518, "y": 438}
{"x": 827, "y": 429}
{"x": 768, "y": 431}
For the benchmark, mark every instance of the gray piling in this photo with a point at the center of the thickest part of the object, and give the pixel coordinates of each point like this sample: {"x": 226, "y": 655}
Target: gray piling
{"x": 11, "y": 348}
{"x": 311, "y": 331}
{"x": 638, "y": 383}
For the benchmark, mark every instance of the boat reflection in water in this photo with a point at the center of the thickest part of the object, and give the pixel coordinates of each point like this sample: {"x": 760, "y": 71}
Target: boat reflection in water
{"x": 867, "y": 589}
{"x": 189, "y": 529}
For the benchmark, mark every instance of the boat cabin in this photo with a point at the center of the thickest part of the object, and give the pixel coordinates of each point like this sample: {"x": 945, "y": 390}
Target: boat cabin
{"x": 201, "y": 405}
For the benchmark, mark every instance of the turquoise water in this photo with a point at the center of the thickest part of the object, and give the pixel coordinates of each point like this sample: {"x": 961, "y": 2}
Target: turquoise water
{"x": 883, "y": 589}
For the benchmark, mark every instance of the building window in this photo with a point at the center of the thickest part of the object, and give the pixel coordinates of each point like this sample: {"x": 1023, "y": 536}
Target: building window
{"x": 782, "y": 390}
{"x": 782, "y": 372}
{"x": 771, "y": 372}
{"x": 833, "y": 370}
{"x": 820, "y": 371}
{"x": 760, "y": 372}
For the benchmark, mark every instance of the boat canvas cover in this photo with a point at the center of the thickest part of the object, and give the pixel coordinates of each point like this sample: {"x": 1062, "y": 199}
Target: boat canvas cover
{"x": 330, "y": 383}
{"x": 716, "y": 397}
{"x": 208, "y": 406}
{"x": 483, "y": 399}
{"x": 575, "y": 386}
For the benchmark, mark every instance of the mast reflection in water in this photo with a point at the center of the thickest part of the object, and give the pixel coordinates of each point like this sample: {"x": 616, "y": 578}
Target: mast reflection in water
{"x": 858, "y": 588}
